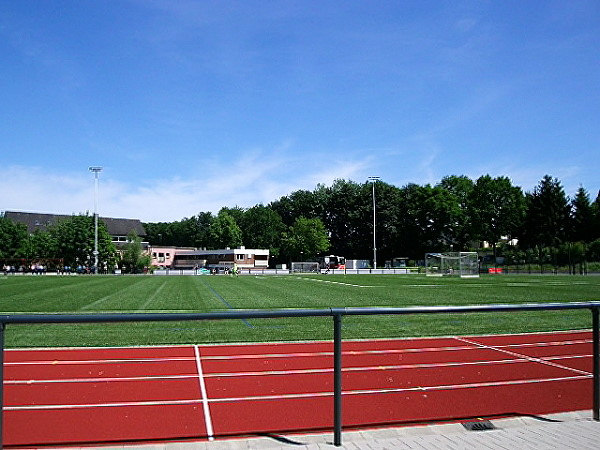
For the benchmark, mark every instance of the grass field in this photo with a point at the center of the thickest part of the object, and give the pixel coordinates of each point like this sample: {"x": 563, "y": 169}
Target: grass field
{"x": 96, "y": 294}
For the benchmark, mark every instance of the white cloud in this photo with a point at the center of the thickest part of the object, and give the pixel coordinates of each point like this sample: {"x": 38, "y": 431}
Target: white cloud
{"x": 256, "y": 177}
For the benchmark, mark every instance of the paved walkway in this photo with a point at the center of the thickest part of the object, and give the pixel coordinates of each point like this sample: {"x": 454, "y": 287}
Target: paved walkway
{"x": 574, "y": 430}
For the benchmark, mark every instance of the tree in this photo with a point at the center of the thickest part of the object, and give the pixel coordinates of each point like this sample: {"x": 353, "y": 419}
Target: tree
{"x": 596, "y": 217}
{"x": 412, "y": 222}
{"x": 262, "y": 228}
{"x": 134, "y": 258}
{"x": 347, "y": 216}
{"x": 305, "y": 239}
{"x": 300, "y": 203}
{"x": 548, "y": 215}
{"x": 12, "y": 237}
{"x": 225, "y": 232}
{"x": 459, "y": 231}
{"x": 237, "y": 213}
{"x": 39, "y": 245}
{"x": 497, "y": 209}
{"x": 74, "y": 238}
{"x": 582, "y": 217}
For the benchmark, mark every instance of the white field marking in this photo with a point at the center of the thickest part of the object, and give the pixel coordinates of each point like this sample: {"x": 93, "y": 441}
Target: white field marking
{"x": 424, "y": 285}
{"x": 530, "y": 358}
{"x": 152, "y": 297}
{"x": 97, "y": 302}
{"x": 205, "y": 408}
{"x": 337, "y": 282}
{"x": 303, "y": 395}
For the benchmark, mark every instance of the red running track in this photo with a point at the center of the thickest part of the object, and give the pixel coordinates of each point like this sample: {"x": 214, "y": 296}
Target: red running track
{"x": 84, "y": 396}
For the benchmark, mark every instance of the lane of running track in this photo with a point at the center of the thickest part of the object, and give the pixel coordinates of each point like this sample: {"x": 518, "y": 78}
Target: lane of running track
{"x": 131, "y": 394}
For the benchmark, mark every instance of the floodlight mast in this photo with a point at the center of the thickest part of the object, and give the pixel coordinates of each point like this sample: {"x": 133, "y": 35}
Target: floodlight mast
{"x": 374, "y": 180}
{"x": 96, "y": 170}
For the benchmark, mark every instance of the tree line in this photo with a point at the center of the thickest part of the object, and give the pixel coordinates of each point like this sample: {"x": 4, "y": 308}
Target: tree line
{"x": 67, "y": 245}
{"x": 456, "y": 214}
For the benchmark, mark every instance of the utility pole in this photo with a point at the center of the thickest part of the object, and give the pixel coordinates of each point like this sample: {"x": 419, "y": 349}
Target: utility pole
{"x": 96, "y": 170}
{"x": 374, "y": 180}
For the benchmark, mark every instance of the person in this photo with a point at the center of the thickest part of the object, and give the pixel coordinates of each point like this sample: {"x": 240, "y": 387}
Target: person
{"x": 235, "y": 269}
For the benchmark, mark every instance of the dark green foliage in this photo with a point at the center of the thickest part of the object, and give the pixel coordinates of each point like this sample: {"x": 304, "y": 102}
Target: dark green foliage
{"x": 582, "y": 216}
{"x": 547, "y": 222}
{"x": 12, "y": 237}
{"x": 306, "y": 239}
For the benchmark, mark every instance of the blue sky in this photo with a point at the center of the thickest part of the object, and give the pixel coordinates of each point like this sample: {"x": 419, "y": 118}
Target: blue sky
{"x": 194, "y": 105}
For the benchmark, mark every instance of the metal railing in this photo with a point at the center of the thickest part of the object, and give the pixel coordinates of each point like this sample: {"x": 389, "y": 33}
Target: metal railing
{"x": 336, "y": 313}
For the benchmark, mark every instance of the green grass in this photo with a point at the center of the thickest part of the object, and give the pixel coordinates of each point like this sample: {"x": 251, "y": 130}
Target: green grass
{"x": 96, "y": 294}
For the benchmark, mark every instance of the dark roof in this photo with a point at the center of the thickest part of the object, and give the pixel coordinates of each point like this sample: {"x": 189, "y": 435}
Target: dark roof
{"x": 37, "y": 221}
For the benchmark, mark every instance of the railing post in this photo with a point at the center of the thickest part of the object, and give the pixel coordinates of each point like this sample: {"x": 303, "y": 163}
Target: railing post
{"x": 596, "y": 361}
{"x": 337, "y": 379}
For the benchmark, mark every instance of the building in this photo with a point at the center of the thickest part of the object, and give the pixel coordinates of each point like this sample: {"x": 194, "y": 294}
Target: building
{"x": 243, "y": 257}
{"x": 164, "y": 256}
{"x": 119, "y": 229}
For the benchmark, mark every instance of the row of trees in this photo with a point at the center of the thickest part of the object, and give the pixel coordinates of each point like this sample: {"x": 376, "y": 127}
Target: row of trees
{"x": 456, "y": 214}
{"x": 67, "y": 244}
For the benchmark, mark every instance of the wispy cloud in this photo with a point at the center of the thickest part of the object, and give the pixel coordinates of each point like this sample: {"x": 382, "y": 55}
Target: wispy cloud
{"x": 257, "y": 177}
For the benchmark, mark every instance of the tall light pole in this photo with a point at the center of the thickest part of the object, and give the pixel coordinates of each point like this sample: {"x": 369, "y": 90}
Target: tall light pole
{"x": 374, "y": 180}
{"x": 96, "y": 170}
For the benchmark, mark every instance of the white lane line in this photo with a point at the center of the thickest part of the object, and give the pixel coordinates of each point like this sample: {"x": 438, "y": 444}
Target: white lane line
{"x": 397, "y": 390}
{"x": 289, "y": 371}
{"x": 55, "y": 362}
{"x": 385, "y": 367}
{"x": 303, "y": 395}
{"x": 104, "y": 379}
{"x": 290, "y": 354}
{"x": 206, "y": 409}
{"x": 103, "y": 405}
{"x": 520, "y": 355}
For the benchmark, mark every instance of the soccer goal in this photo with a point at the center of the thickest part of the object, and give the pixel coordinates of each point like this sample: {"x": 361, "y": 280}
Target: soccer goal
{"x": 305, "y": 267}
{"x": 461, "y": 264}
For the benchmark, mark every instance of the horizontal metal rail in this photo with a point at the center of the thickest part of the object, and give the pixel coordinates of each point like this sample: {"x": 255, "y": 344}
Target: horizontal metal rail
{"x": 337, "y": 315}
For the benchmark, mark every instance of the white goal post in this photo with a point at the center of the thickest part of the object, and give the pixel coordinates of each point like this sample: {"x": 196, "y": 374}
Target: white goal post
{"x": 305, "y": 267}
{"x": 462, "y": 264}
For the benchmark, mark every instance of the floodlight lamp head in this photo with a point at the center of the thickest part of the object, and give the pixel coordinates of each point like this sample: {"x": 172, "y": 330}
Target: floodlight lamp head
{"x": 373, "y": 178}
{"x": 95, "y": 169}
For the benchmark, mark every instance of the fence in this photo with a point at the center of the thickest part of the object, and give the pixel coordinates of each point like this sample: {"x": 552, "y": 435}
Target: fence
{"x": 337, "y": 315}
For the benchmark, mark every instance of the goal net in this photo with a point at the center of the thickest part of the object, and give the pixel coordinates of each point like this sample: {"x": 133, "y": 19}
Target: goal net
{"x": 462, "y": 264}
{"x": 305, "y": 267}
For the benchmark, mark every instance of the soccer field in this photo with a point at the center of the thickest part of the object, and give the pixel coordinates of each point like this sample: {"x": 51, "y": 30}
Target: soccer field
{"x": 133, "y": 294}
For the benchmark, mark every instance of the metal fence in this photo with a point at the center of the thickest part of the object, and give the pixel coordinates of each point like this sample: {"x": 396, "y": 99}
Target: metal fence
{"x": 336, "y": 314}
